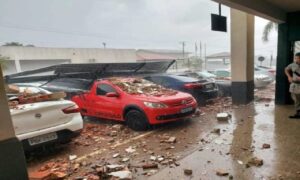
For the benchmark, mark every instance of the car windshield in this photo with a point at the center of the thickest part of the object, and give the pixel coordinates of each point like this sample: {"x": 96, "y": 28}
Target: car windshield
{"x": 141, "y": 86}
{"x": 184, "y": 79}
{"x": 206, "y": 75}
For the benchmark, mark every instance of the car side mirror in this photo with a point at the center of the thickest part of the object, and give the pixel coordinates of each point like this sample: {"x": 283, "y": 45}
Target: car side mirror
{"x": 112, "y": 94}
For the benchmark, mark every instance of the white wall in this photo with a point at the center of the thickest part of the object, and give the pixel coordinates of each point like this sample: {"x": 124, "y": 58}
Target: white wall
{"x": 37, "y": 57}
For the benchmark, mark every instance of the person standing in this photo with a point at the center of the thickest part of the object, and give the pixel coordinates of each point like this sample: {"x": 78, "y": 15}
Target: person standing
{"x": 292, "y": 72}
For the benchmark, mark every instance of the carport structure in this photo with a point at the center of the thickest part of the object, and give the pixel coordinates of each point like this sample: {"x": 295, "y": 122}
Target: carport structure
{"x": 286, "y": 13}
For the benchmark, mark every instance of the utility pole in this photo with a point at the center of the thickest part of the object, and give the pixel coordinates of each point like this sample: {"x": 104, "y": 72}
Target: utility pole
{"x": 200, "y": 47}
{"x": 183, "y": 46}
{"x": 196, "y": 49}
{"x": 205, "y": 60}
{"x": 271, "y": 60}
{"x": 104, "y": 45}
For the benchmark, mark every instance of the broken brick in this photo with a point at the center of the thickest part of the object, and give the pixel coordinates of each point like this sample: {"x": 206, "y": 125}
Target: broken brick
{"x": 222, "y": 172}
{"x": 188, "y": 172}
{"x": 266, "y": 146}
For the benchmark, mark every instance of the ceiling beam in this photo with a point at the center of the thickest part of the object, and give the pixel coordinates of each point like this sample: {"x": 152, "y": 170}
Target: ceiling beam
{"x": 260, "y": 8}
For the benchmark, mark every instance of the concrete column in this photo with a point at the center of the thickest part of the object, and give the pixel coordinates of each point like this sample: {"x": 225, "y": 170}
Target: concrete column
{"x": 242, "y": 57}
{"x": 18, "y": 65}
{"x": 12, "y": 161}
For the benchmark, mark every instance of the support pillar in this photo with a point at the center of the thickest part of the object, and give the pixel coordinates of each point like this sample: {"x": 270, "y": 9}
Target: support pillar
{"x": 12, "y": 159}
{"x": 18, "y": 65}
{"x": 242, "y": 57}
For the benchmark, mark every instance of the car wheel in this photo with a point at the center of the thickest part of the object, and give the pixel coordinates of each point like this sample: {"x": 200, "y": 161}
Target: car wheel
{"x": 137, "y": 120}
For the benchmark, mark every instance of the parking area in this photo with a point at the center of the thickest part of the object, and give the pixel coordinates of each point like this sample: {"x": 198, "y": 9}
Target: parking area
{"x": 201, "y": 146}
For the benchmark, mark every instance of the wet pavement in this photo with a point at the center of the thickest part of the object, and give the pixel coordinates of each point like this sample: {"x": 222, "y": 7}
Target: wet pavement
{"x": 203, "y": 144}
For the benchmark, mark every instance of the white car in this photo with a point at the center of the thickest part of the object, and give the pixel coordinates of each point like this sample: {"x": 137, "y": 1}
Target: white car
{"x": 260, "y": 79}
{"x": 46, "y": 122}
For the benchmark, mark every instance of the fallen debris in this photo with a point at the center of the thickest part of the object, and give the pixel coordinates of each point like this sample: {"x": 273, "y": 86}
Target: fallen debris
{"x": 223, "y": 116}
{"x": 150, "y": 173}
{"x": 115, "y": 167}
{"x": 125, "y": 159}
{"x": 130, "y": 149}
{"x": 118, "y": 127}
{"x": 171, "y": 140}
{"x": 216, "y": 131}
{"x": 188, "y": 172}
{"x": 266, "y": 146}
{"x": 141, "y": 86}
{"x": 255, "y": 162}
{"x": 153, "y": 158}
{"x": 116, "y": 155}
{"x": 72, "y": 157}
{"x": 122, "y": 174}
{"x": 222, "y": 172}
{"x": 150, "y": 166}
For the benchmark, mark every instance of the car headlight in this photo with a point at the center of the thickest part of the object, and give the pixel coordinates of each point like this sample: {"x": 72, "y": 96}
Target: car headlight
{"x": 155, "y": 105}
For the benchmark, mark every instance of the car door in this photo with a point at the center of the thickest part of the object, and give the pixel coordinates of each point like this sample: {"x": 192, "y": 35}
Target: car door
{"x": 107, "y": 107}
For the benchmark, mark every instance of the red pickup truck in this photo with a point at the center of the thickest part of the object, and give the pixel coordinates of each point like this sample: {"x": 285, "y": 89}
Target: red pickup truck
{"x": 138, "y": 102}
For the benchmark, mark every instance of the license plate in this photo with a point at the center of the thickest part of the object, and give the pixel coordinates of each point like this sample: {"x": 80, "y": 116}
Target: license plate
{"x": 208, "y": 86}
{"x": 185, "y": 110}
{"x": 42, "y": 139}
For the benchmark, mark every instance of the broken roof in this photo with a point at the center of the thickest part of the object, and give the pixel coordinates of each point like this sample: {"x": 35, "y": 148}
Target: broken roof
{"x": 89, "y": 71}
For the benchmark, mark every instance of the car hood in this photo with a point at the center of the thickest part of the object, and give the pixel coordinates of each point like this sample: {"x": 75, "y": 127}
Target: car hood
{"x": 163, "y": 98}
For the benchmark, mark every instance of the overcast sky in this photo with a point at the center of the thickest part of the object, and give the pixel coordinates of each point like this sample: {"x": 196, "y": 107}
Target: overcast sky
{"x": 155, "y": 24}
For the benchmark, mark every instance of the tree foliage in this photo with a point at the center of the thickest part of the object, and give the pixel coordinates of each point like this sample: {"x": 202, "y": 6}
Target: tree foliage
{"x": 3, "y": 61}
{"x": 269, "y": 27}
{"x": 13, "y": 44}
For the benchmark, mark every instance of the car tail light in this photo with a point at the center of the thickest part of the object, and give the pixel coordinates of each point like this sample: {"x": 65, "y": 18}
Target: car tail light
{"x": 72, "y": 109}
{"x": 192, "y": 85}
{"x": 272, "y": 71}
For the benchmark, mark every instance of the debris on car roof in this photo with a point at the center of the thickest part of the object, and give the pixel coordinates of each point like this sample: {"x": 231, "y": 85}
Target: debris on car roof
{"x": 26, "y": 96}
{"x": 141, "y": 86}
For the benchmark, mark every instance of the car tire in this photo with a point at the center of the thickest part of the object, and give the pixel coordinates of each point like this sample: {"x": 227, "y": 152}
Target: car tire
{"x": 137, "y": 120}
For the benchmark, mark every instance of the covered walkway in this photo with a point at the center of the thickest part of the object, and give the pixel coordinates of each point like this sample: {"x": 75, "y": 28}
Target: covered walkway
{"x": 251, "y": 126}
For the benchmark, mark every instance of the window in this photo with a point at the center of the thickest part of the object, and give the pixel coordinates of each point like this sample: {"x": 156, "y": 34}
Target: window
{"x": 103, "y": 89}
{"x": 296, "y": 47}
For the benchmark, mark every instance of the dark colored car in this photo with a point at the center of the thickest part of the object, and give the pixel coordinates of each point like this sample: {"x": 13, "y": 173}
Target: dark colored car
{"x": 71, "y": 86}
{"x": 224, "y": 86}
{"x": 201, "y": 90}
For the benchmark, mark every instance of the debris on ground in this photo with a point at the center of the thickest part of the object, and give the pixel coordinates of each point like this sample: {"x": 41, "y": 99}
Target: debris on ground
{"x": 216, "y": 131}
{"x": 72, "y": 157}
{"x": 223, "y": 116}
{"x": 150, "y": 166}
{"x": 130, "y": 149}
{"x": 188, "y": 172}
{"x": 118, "y": 127}
{"x": 116, "y": 155}
{"x": 221, "y": 172}
{"x": 150, "y": 173}
{"x": 126, "y": 175}
{"x": 266, "y": 146}
{"x": 171, "y": 140}
{"x": 125, "y": 159}
{"x": 255, "y": 162}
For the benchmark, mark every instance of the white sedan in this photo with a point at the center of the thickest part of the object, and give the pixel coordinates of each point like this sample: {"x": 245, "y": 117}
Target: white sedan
{"x": 45, "y": 122}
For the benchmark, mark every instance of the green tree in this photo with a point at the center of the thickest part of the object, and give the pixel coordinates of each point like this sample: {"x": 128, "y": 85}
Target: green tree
{"x": 269, "y": 27}
{"x": 3, "y": 61}
{"x": 13, "y": 44}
